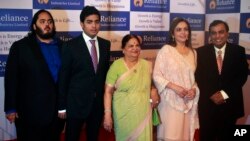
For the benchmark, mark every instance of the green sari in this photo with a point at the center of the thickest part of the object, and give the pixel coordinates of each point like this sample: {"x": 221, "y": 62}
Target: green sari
{"x": 131, "y": 107}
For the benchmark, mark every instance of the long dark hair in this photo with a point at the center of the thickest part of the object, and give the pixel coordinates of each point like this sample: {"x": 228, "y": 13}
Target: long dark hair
{"x": 173, "y": 25}
{"x": 32, "y": 31}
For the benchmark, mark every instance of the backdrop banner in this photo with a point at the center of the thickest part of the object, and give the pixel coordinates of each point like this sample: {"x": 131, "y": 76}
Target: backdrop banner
{"x": 149, "y": 19}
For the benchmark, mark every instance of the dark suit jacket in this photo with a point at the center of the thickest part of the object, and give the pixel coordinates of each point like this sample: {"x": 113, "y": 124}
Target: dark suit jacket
{"x": 29, "y": 86}
{"x": 79, "y": 85}
{"x": 233, "y": 76}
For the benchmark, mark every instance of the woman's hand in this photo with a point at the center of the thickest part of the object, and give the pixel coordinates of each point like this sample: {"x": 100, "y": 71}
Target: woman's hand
{"x": 108, "y": 121}
{"x": 180, "y": 91}
{"x": 191, "y": 94}
{"x": 155, "y": 98}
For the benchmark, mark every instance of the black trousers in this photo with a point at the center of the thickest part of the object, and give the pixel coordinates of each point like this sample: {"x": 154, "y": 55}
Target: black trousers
{"x": 52, "y": 132}
{"x": 217, "y": 130}
{"x": 93, "y": 122}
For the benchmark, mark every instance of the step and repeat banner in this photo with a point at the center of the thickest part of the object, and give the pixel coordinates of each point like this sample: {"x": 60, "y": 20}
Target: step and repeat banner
{"x": 149, "y": 19}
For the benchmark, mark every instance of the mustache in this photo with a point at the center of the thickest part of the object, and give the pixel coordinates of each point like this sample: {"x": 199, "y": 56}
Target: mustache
{"x": 43, "y": 35}
{"x": 47, "y": 28}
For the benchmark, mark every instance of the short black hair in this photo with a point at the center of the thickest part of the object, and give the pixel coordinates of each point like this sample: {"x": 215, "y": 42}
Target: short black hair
{"x": 216, "y": 22}
{"x": 127, "y": 37}
{"x": 89, "y": 10}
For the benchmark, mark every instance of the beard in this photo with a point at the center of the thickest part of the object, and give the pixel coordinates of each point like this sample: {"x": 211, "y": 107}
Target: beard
{"x": 43, "y": 35}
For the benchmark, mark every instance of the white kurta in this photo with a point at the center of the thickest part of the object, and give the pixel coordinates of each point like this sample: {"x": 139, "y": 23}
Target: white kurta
{"x": 179, "y": 117}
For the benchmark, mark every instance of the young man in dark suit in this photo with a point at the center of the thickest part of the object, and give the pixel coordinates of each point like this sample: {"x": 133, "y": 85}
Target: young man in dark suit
{"x": 82, "y": 78}
{"x": 31, "y": 77}
{"x": 222, "y": 70}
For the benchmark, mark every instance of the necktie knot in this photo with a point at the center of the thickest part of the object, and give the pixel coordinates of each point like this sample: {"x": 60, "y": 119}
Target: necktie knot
{"x": 92, "y": 42}
{"x": 219, "y": 52}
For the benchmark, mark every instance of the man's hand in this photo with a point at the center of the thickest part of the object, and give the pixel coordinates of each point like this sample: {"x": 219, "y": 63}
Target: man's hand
{"x": 217, "y": 98}
{"x": 12, "y": 117}
{"x": 62, "y": 115}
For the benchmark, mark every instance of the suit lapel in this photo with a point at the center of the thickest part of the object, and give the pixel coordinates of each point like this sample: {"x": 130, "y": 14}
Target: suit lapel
{"x": 101, "y": 55}
{"x": 213, "y": 62}
{"x": 227, "y": 59}
{"x": 85, "y": 53}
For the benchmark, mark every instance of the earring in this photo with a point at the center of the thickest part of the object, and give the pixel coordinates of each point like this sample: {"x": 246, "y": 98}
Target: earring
{"x": 173, "y": 38}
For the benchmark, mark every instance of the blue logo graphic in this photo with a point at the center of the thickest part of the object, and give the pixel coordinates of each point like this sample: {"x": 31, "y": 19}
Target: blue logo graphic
{"x": 116, "y": 21}
{"x": 150, "y": 5}
{"x": 138, "y": 3}
{"x": 152, "y": 39}
{"x": 196, "y": 21}
{"x": 3, "y": 60}
{"x": 15, "y": 20}
{"x": 245, "y": 22}
{"x": 58, "y": 4}
{"x": 233, "y": 38}
{"x": 222, "y": 6}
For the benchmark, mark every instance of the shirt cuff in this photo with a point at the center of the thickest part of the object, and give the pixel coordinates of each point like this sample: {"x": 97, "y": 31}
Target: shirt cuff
{"x": 224, "y": 94}
{"x": 61, "y": 111}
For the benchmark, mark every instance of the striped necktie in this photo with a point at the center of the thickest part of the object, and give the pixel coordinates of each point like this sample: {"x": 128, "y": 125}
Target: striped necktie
{"x": 219, "y": 61}
{"x": 93, "y": 54}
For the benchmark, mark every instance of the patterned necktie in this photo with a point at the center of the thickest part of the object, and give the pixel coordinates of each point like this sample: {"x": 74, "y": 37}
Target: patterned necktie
{"x": 219, "y": 61}
{"x": 94, "y": 54}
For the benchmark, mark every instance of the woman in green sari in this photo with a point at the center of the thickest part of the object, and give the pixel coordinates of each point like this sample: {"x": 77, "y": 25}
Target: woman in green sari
{"x": 127, "y": 95}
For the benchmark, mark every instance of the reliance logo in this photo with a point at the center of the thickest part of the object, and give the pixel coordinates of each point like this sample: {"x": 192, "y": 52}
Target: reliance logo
{"x": 156, "y": 1}
{"x": 225, "y": 2}
{"x": 15, "y": 20}
{"x": 11, "y": 18}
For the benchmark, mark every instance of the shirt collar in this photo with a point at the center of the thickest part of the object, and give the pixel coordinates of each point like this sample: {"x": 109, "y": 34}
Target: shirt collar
{"x": 221, "y": 49}
{"x": 87, "y": 38}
